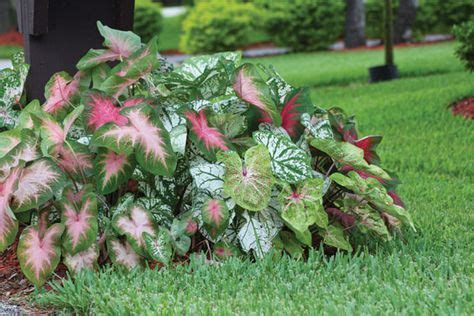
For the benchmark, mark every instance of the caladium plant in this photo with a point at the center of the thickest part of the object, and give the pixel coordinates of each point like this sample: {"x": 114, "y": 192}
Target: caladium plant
{"x": 141, "y": 162}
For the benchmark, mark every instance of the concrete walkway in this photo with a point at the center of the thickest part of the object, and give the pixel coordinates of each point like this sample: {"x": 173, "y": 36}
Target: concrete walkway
{"x": 9, "y": 310}
{"x": 5, "y": 63}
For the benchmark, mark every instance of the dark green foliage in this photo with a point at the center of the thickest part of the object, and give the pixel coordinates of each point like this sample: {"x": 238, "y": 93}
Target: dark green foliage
{"x": 148, "y": 21}
{"x": 465, "y": 35}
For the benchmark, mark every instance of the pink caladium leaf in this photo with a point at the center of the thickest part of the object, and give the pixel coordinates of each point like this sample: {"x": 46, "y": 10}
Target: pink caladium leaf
{"x": 133, "y": 224}
{"x": 215, "y": 215}
{"x": 343, "y": 124}
{"x": 250, "y": 87}
{"x": 74, "y": 159}
{"x": 208, "y": 139}
{"x": 123, "y": 254}
{"x": 112, "y": 170}
{"x": 60, "y": 92}
{"x": 39, "y": 253}
{"x": 369, "y": 145}
{"x": 37, "y": 185}
{"x": 84, "y": 260}
{"x": 144, "y": 134}
{"x": 80, "y": 220}
{"x": 101, "y": 110}
{"x": 296, "y": 103}
{"x": 8, "y": 222}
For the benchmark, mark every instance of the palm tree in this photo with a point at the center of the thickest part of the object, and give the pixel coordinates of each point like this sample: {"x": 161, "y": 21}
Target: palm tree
{"x": 355, "y": 24}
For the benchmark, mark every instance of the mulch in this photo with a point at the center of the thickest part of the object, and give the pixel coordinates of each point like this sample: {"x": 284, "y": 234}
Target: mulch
{"x": 464, "y": 108}
{"x": 12, "y": 37}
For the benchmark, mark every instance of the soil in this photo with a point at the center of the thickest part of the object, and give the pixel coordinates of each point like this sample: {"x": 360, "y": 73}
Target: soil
{"x": 12, "y": 37}
{"x": 464, "y": 108}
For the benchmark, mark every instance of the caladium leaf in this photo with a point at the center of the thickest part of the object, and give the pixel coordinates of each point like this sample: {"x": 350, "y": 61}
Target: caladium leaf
{"x": 60, "y": 92}
{"x": 8, "y": 222}
{"x": 289, "y": 162}
{"x": 39, "y": 253}
{"x": 25, "y": 120}
{"x": 123, "y": 254}
{"x": 297, "y": 102}
{"x": 9, "y": 140}
{"x": 38, "y": 183}
{"x": 224, "y": 250}
{"x": 159, "y": 247}
{"x": 180, "y": 240}
{"x": 84, "y": 260}
{"x": 101, "y": 110}
{"x": 145, "y": 133}
{"x": 303, "y": 207}
{"x": 79, "y": 216}
{"x": 215, "y": 215}
{"x": 112, "y": 170}
{"x": 374, "y": 192}
{"x": 347, "y": 154}
{"x": 258, "y": 232}
{"x": 343, "y": 124}
{"x": 317, "y": 126}
{"x": 334, "y": 236}
{"x": 208, "y": 139}
{"x": 249, "y": 183}
{"x": 250, "y": 87}
{"x": 133, "y": 224}
{"x": 369, "y": 145}
{"x": 208, "y": 177}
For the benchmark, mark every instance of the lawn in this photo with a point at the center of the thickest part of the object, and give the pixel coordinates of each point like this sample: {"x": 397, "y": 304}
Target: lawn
{"x": 428, "y": 272}
{"x": 7, "y": 51}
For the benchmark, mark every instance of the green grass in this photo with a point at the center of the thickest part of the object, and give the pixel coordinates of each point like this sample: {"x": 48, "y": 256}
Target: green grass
{"x": 428, "y": 272}
{"x": 7, "y": 51}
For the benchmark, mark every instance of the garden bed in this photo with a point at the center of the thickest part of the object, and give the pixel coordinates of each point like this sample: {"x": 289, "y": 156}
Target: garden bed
{"x": 464, "y": 107}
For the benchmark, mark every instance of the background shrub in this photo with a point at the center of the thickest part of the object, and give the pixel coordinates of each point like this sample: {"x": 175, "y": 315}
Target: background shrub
{"x": 148, "y": 20}
{"x": 218, "y": 25}
{"x": 465, "y": 35}
{"x": 456, "y": 11}
{"x": 304, "y": 25}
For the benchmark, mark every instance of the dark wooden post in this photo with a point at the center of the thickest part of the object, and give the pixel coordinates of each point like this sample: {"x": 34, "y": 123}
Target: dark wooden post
{"x": 57, "y": 33}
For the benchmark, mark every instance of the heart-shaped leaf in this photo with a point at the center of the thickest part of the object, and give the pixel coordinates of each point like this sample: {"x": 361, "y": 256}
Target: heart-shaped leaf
{"x": 179, "y": 238}
{"x": 101, "y": 110}
{"x": 79, "y": 216}
{"x": 248, "y": 183}
{"x": 112, "y": 170}
{"x": 144, "y": 133}
{"x": 296, "y": 103}
{"x": 303, "y": 207}
{"x": 317, "y": 125}
{"x": 8, "y": 222}
{"x": 334, "y": 236}
{"x": 159, "y": 247}
{"x": 224, "y": 250}
{"x": 258, "y": 231}
{"x": 123, "y": 254}
{"x": 39, "y": 253}
{"x": 84, "y": 260}
{"x": 60, "y": 92}
{"x": 369, "y": 145}
{"x": 289, "y": 162}
{"x": 215, "y": 215}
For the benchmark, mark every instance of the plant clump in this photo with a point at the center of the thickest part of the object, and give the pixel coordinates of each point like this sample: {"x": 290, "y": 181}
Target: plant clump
{"x": 145, "y": 163}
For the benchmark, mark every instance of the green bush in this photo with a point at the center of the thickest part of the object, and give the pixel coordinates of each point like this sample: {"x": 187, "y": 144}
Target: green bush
{"x": 456, "y": 11}
{"x": 304, "y": 25}
{"x": 148, "y": 21}
{"x": 465, "y": 35}
{"x": 218, "y": 25}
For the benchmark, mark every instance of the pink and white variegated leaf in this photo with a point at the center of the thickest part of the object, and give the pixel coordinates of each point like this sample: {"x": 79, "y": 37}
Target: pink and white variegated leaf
{"x": 39, "y": 253}
{"x": 123, "y": 254}
{"x": 296, "y": 103}
{"x": 8, "y": 141}
{"x": 112, "y": 170}
{"x": 123, "y": 43}
{"x": 215, "y": 215}
{"x": 37, "y": 185}
{"x": 101, "y": 110}
{"x": 208, "y": 139}
{"x": 26, "y": 150}
{"x": 8, "y": 222}
{"x": 84, "y": 260}
{"x": 250, "y": 87}
{"x": 95, "y": 57}
{"x": 79, "y": 216}
{"x": 73, "y": 158}
{"x": 133, "y": 224}
{"x": 143, "y": 134}
{"x": 60, "y": 93}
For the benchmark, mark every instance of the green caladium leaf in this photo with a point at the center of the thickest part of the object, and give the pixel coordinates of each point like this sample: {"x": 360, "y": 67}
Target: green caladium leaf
{"x": 250, "y": 87}
{"x": 291, "y": 244}
{"x": 215, "y": 215}
{"x": 303, "y": 207}
{"x": 346, "y": 154}
{"x": 231, "y": 124}
{"x": 145, "y": 135}
{"x": 179, "y": 238}
{"x": 123, "y": 254}
{"x": 24, "y": 119}
{"x": 289, "y": 162}
{"x": 248, "y": 183}
{"x": 39, "y": 252}
{"x": 37, "y": 185}
{"x": 84, "y": 260}
{"x": 112, "y": 170}
{"x": 9, "y": 140}
{"x": 223, "y": 250}
{"x": 159, "y": 247}
{"x": 334, "y": 236}
{"x": 79, "y": 216}
{"x": 317, "y": 125}
{"x": 8, "y": 221}
{"x": 374, "y": 192}
{"x": 133, "y": 224}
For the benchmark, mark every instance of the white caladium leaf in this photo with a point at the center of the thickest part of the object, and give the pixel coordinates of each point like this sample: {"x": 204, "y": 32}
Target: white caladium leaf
{"x": 250, "y": 87}
{"x": 60, "y": 92}
{"x": 112, "y": 170}
{"x": 38, "y": 183}
{"x": 8, "y": 222}
{"x": 289, "y": 162}
{"x": 84, "y": 260}
{"x": 39, "y": 252}
{"x": 144, "y": 133}
{"x": 208, "y": 176}
{"x": 215, "y": 215}
{"x": 346, "y": 154}
{"x": 133, "y": 224}
{"x": 176, "y": 126}
{"x": 258, "y": 232}
{"x": 334, "y": 236}
{"x": 319, "y": 127}
{"x": 159, "y": 198}
{"x": 122, "y": 254}
{"x": 79, "y": 216}
{"x": 159, "y": 247}
{"x": 303, "y": 207}
{"x": 248, "y": 183}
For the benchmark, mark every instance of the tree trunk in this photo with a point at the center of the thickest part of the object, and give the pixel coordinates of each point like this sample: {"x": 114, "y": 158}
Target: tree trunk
{"x": 406, "y": 16}
{"x": 5, "y": 16}
{"x": 355, "y": 24}
{"x": 388, "y": 19}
